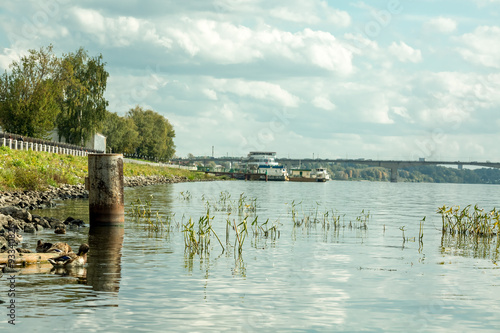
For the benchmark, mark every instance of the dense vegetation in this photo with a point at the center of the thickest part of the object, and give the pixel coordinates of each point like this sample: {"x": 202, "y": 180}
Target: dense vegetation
{"x": 42, "y": 93}
{"x": 29, "y": 170}
{"x": 141, "y": 132}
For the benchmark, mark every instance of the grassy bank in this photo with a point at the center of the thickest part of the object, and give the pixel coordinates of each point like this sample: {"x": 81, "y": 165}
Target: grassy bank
{"x": 35, "y": 171}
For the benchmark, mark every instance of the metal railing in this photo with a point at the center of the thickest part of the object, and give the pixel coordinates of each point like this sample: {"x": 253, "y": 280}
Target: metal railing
{"x": 18, "y": 142}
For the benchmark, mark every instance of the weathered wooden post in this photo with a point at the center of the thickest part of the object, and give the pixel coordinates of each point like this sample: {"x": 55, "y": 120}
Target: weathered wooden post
{"x": 106, "y": 204}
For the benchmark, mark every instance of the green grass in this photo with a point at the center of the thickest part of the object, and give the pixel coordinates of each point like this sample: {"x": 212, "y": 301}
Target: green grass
{"x": 36, "y": 171}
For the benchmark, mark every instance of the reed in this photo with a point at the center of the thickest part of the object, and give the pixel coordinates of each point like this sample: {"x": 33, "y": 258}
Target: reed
{"x": 152, "y": 220}
{"x": 185, "y": 195}
{"x": 197, "y": 236}
{"x": 470, "y": 221}
{"x": 421, "y": 235}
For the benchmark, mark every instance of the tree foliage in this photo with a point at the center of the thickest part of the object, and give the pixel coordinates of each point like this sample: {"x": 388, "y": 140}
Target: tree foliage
{"x": 43, "y": 91}
{"x": 29, "y": 94}
{"x": 156, "y": 134}
{"x": 121, "y": 133}
{"x": 83, "y": 107}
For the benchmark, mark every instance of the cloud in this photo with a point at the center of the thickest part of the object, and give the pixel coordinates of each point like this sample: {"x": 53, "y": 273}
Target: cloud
{"x": 482, "y": 47}
{"x": 323, "y": 103}
{"x": 258, "y": 90}
{"x": 111, "y": 31}
{"x": 226, "y": 43}
{"x": 211, "y": 94}
{"x": 8, "y": 56}
{"x": 285, "y": 13}
{"x": 441, "y": 24}
{"x": 219, "y": 42}
{"x": 311, "y": 12}
{"x": 405, "y": 53}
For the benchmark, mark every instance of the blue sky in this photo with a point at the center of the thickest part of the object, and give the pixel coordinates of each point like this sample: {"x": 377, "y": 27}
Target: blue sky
{"x": 388, "y": 79}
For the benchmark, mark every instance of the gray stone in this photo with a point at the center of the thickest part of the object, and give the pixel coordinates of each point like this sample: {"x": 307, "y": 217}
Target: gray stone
{"x": 29, "y": 228}
{"x": 22, "y": 214}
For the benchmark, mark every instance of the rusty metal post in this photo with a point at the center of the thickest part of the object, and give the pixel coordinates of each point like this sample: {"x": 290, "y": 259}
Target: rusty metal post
{"x": 106, "y": 204}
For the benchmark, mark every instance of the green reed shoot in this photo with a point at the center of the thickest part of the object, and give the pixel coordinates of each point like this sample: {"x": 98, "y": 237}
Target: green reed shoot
{"x": 185, "y": 195}
{"x": 471, "y": 221}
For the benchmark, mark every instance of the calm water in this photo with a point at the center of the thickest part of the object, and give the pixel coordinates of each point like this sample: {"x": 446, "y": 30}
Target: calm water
{"x": 309, "y": 279}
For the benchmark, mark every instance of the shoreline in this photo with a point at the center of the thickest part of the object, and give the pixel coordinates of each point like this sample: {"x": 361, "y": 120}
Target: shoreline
{"x": 15, "y": 216}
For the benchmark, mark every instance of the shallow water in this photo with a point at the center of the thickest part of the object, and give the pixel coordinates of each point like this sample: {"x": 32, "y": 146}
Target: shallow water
{"x": 309, "y": 279}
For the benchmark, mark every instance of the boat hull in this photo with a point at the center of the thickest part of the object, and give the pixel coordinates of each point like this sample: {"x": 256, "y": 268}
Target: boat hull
{"x": 303, "y": 179}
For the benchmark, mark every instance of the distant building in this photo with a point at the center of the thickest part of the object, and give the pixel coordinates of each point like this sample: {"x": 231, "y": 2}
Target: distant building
{"x": 96, "y": 141}
{"x": 306, "y": 173}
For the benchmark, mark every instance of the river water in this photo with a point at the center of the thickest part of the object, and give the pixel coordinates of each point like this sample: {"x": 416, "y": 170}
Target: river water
{"x": 311, "y": 275}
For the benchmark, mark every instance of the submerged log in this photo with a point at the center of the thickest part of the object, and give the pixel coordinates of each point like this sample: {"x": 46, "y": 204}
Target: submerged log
{"x": 28, "y": 258}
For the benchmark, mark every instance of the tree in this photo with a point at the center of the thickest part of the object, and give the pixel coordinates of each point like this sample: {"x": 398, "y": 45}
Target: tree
{"x": 121, "y": 133}
{"x": 83, "y": 106}
{"x": 29, "y": 94}
{"x": 156, "y": 134}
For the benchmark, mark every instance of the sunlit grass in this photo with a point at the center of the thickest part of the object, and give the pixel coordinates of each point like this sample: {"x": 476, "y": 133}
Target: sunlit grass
{"x": 22, "y": 170}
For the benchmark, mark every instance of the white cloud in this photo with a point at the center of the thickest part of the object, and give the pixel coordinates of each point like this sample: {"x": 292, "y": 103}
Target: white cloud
{"x": 441, "y": 24}
{"x": 311, "y": 12}
{"x": 339, "y": 17}
{"x": 256, "y": 89}
{"x": 8, "y": 56}
{"x": 405, "y": 53}
{"x": 226, "y": 43}
{"x": 118, "y": 31}
{"x": 285, "y": 13}
{"x": 323, "y": 103}
{"x": 401, "y": 111}
{"x": 211, "y": 94}
{"x": 482, "y": 46}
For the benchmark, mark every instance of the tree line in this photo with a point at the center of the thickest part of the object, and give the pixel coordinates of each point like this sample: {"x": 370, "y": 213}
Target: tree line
{"x": 42, "y": 93}
{"x": 428, "y": 174}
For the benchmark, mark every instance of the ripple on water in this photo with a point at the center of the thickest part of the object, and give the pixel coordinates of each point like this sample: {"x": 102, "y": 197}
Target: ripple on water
{"x": 311, "y": 278}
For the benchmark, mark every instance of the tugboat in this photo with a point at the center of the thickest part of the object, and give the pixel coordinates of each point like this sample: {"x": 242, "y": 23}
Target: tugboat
{"x": 321, "y": 174}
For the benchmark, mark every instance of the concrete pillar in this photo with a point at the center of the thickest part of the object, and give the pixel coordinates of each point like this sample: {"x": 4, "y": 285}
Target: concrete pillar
{"x": 10, "y": 143}
{"x": 4, "y": 142}
{"x": 31, "y": 145}
{"x": 15, "y": 144}
{"x": 106, "y": 203}
{"x": 394, "y": 174}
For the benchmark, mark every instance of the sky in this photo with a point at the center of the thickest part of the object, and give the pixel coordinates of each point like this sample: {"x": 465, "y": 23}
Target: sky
{"x": 380, "y": 79}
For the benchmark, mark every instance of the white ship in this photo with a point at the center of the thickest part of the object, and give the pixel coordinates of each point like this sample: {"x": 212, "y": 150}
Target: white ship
{"x": 321, "y": 174}
{"x": 264, "y": 166}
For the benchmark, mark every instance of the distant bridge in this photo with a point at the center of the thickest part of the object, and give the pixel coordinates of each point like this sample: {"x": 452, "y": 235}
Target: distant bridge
{"x": 393, "y": 165}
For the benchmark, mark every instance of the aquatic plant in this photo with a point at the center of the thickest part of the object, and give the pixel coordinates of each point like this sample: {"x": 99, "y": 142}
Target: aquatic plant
{"x": 197, "y": 237}
{"x": 185, "y": 195}
{"x": 466, "y": 246}
{"x": 421, "y": 235}
{"x": 362, "y": 219}
{"x": 471, "y": 221}
{"x": 151, "y": 220}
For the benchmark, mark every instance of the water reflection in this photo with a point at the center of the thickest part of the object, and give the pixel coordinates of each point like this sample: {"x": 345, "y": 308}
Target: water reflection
{"x": 467, "y": 246}
{"x": 104, "y": 258}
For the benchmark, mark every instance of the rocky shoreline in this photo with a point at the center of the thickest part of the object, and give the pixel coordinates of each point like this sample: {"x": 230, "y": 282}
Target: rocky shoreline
{"x": 16, "y": 219}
